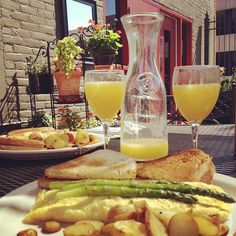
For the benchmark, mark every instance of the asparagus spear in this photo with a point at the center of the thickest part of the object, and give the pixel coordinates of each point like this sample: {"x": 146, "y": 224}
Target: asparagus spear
{"x": 150, "y": 184}
{"x": 66, "y": 185}
{"x": 123, "y": 191}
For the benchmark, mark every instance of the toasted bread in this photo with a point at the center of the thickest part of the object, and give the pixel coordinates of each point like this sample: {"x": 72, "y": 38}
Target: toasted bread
{"x": 12, "y": 141}
{"x": 189, "y": 165}
{"x": 101, "y": 164}
{"x": 28, "y": 130}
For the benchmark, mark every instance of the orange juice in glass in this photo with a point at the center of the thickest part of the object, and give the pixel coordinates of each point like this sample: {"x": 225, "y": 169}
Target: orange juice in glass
{"x": 196, "y": 90}
{"x": 105, "y": 97}
{"x": 202, "y": 98}
{"x": 145, "y": 149}
{"x": 105, "y": 91}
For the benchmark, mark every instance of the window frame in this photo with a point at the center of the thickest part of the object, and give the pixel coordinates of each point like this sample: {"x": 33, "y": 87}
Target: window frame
{"x": 62, "y": 16}
{"x": 225, "y": 22}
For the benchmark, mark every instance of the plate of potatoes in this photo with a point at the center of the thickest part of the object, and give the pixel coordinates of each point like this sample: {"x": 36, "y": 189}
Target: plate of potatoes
{"x": 58, "y": 144}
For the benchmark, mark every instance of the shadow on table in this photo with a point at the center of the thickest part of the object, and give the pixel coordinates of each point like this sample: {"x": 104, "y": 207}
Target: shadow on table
{"x": 214, "y": 145}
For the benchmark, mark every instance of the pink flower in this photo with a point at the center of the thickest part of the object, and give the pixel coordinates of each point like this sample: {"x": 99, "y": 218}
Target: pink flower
{"x": 63, "y": 119}
{"x": 60, "y": 110}
{"x": 80, "y": 29}
{"x": 91, "y": 21}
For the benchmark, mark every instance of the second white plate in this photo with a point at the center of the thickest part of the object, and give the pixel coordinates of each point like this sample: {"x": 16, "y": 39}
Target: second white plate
{"x": 48, "y": 153}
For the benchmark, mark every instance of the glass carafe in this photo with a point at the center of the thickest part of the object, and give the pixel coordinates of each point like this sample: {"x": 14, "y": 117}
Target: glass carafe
{"x": 143, "y": 115}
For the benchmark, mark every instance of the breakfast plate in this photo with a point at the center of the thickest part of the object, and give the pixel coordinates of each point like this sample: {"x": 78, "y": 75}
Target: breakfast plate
{"x": 16, "y": 204}
{"x": 50, "y": 153}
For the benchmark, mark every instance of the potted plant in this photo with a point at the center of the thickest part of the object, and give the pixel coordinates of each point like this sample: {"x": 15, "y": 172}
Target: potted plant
{"x": 102, "y": 44}
{"x": 68, "y": 119}
{"x": 67, "y": 67}
{"x": 40, "y": 80}
{"x": 41, "y": 119}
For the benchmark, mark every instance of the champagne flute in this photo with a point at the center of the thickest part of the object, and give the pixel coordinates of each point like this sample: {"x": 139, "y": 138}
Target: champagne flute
{"x": 196, "y": 90}
{"x": 105, "y": 91}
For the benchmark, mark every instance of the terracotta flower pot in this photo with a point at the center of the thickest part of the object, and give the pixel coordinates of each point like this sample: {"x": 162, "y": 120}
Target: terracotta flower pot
{"x": 68, "y": 86}
{"x": 104, "y": 61}
{"x": 102, "y": 67}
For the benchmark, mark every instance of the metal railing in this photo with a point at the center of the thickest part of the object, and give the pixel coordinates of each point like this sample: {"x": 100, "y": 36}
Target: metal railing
{"x": 10, "y": 108}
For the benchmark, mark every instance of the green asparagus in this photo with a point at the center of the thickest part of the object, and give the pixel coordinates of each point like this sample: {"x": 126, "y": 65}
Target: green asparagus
{"x": 66, "y": 185}
{"x": 123, "y": 191}
{"x": 145, "y": 184}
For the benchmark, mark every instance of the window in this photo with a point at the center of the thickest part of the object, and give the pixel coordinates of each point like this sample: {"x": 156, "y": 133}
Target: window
{"x": 70, "y": 14}
{"x": 226, "y": 22}
{"x": 110, "y": 10}
{"x": 227, "y": 60}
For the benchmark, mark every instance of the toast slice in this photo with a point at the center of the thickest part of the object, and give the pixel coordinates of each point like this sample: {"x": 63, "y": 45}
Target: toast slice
{"x": 101, "y": 164}
{"x": 11, "y": 143}
{"x": 188, "y": 165}
{"x": 30, "y": 130}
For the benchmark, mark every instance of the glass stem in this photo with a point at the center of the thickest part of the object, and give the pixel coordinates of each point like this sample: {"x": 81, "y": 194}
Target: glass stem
{"x": 195, "y": 127}
{"x": 105, "y": 132}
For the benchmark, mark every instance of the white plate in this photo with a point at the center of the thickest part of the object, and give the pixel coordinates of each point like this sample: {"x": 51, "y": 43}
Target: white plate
{"x": 16, "y": 204}
{"x": 48, "y": 153}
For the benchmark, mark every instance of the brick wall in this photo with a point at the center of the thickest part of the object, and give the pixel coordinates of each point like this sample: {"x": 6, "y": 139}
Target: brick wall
{"x": 28, "y": 24}
{"x": 25, "y": 26}
{"x": 100, "y": 10}
{"x": 196, "y": 11}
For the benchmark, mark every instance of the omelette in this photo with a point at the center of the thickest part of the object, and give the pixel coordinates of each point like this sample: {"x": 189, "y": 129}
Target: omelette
{"x": 73, "y": 209}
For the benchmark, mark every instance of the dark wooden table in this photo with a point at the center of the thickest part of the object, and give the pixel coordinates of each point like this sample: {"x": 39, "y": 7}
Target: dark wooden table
{"x": 217, "y": 141}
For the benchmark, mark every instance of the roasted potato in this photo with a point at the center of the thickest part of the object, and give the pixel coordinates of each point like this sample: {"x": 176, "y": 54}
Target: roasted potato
{"x": 55, "y": 141}
{"x": 51, "y": 227}
{"x": 82, "y": 137}
{"x": 140, "y": 208}
{"x": 206, "y": 227}
{"x": 153, "y": 224}
{"x": 120, "y": 212}
{"x": 28, "y": 232}
{"x": 183, "y": 224}
{"x": 223, "y": 230}
{"x": 125, "y": 228}
{"x": 70, "y": 136}
{"x": 84, "y": 228}
{"x": 36, "y": 136}
{"x": 92, "y": 139}
{"x": 64, "y": 137}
